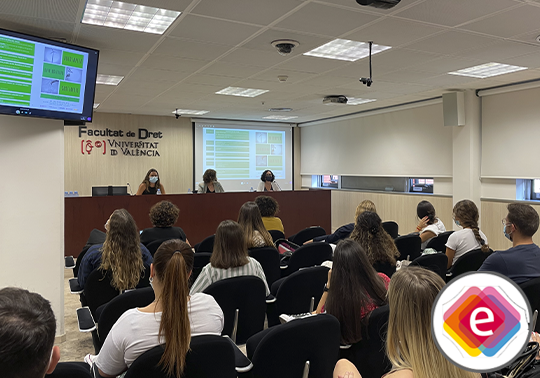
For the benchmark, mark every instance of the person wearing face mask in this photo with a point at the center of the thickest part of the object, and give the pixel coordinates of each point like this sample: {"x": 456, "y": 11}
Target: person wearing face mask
{"x": 151, "y": 184}
{"x": 267, "y": 183}
{"x": 520, "y": 263}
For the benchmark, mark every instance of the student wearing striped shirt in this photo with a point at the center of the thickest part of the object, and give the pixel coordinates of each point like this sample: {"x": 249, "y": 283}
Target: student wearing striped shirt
{"x": 229, "y": 258}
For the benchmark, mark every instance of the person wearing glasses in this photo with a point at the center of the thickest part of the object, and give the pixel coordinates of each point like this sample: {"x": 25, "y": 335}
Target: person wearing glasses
{"x": 520, "y": 263}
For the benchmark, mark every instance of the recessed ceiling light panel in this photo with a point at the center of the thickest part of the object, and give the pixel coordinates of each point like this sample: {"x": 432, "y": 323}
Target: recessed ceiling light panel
{"x": 487, "y": 70}
{"x": 358, "y": 101}
{"x": 108, "y": 79}
{"x": 189, "y": 112}
{"x": 280, "y": 118}
{"x": 96, "y": 105}
{"x": 344, "y": 49}
{"x": 242, "y": 92}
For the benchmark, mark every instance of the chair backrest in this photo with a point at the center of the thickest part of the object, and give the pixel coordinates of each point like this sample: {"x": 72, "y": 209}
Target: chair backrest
{"x": 436, "y": 262}
{"x": 269, "y": 258}
{"x": 391, "y": 228}
{"x": 210, "y": 356}
{"x": 438, "y": 243}
{"x": 409, "y": 245}
{"x": 201, "y": 259}
{"x": 308, "y": 234}
{"x": 469, "y": 262}
{"x": 385, "y": 267}
{"x": 369, "y": 354}
{"x": 120, "y": 304}
{"x": 247, "y": 294}
{"x": 207, "y": 245}
{"x": 300, "y": 289}
{"x": 276, "y": 234}
{"x": 531, "y": 289}
{"x": 285, "y": 349}
{"x": 96, "y": 237}
{"x": 311, "y": 254}
{"x": 154, "y": 245}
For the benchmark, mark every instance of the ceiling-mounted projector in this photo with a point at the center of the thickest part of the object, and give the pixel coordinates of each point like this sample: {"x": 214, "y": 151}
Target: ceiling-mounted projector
{"x": 383, "y": 4}
{"x": 335, "y": 99}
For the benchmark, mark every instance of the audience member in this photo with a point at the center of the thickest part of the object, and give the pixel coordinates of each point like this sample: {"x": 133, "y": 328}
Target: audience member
{"x": 429, "y": 225}
{"x": 249, "y": 218}
{"x": 151, "y": 184}
{"x": 163, "y": 216}
{"x": 173, "y": 317}
{"x": 379, "y": 246}
{"x": 27, "y": 329}
{"x": 210, "y": 183}
{"x": 269, "y": 207}
{"x": 470, "y": 237}
{"x": 521, "y": 262}
{"x": 229, "y": 258}
{"x": 268, "y": 183}
{"x": 121, "y": 253}
{"x": 345, "y": 231}
{"x": 353, "y": 290}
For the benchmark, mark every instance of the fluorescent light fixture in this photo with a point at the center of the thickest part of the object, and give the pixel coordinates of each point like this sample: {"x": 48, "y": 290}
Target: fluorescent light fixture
{"x": 242, "y": 92}
{"x": 120, "y": 15}
{"x": 108, "y": 79}
{"x": 344, "y": 49}
{"x": 358, "y": 101}
{"x": 96, "y": 105}
{"x": 487, "y": 70}
{"x": 279, "y": 117}
{"x": 189, "y": 112}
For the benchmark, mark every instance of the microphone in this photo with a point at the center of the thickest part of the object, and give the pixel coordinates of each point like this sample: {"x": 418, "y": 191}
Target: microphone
{"x": 130, "y": 191}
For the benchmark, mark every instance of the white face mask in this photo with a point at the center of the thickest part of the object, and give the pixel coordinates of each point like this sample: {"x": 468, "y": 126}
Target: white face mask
{"x": 154, "y": 179}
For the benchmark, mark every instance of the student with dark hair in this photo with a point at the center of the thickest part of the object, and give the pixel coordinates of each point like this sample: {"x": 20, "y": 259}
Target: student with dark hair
{"x": 163, "y": 216}
{"x": 27, "y": 328}
{"x": 172, "y": 318}
{"x": 353, "y": 290}
{"x": 229, "y": 258}
{"x": 521, "y": 262}
{"x": 269, "y": 207}
{"x": 249, "y": 218}
{"x": 429, "y": 225}
{"x": 151, "y": 184}
{"x": 268, "y": 183}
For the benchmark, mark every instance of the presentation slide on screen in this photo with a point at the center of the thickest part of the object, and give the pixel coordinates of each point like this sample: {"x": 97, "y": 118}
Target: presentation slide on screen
{"x": 241, "y": 154}
{"x": 41, "y": 76}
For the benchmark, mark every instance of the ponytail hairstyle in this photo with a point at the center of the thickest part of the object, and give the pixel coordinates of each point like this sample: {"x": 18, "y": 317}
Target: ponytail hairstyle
{"x": 426, "y": 209}
{"x": 370, "y": 234}
{"x": 467, "y": 213}
{"x": 173, "y": 263}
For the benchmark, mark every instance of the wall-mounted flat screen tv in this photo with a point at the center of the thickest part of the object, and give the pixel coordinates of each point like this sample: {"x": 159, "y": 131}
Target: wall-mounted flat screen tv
{"x": 45, "y": 78}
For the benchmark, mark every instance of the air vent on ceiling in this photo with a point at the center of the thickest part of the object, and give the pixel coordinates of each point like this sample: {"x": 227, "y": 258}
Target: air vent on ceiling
{"x": 335, "y": 99}
{"x": 383, "y": 4}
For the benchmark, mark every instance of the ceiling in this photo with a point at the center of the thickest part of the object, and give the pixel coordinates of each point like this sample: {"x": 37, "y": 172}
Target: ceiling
{"x": 219, "y": 43}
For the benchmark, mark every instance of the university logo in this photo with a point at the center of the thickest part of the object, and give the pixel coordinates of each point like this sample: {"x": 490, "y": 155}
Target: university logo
{"x": 481, "y": 321}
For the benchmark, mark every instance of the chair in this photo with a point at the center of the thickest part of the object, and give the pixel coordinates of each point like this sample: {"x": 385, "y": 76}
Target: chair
{"x": 200, "y": 260}
{"x": 298, "y": 293}
{"x": 96, "y": 237}
{"x": 307, "y": 234}
{"x": 154, "y": 245}
{"x": 289, "y": 350}
{"x": 469, "y": 262}
{"x": 276, "y": 234}
{"x": 438, "y": 243}
{"x": 391, "y": 228}
{"x": 385, "y": 267}
{"x": 436, "y": 262}
{"x": 531, "y": 289}
{"x": 311, "y": 254}
{"x": 207, "y": 245}
{"x": 409, "y": 245}
{"x": 210, "y": 356}
{"x": 369, "y": 354}
{"x": 69, "y": 262}
{"x": 71, "y": 370}
{"x": 269, "y": 258}
{"x": 243, "y": 301}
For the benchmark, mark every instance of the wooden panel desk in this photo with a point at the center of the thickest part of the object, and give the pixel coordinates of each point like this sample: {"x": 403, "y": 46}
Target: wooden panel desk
{"x": 200, "y": 214}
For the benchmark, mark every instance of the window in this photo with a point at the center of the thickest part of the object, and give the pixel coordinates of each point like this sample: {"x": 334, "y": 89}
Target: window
{"x": 329, "y": 181}
{"x": 421, "y": 185}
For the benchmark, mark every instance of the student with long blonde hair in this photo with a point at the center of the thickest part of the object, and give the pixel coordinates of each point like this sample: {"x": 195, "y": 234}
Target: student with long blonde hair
{"x": 172, "y": 318}
{"x": 249, "y": 218}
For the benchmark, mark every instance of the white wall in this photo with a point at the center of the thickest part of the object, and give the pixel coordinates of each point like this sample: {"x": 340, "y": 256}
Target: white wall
{"x": 32, "y": 208}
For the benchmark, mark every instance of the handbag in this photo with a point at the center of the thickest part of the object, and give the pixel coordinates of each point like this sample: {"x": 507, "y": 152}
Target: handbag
{"x": 524, "y": 366}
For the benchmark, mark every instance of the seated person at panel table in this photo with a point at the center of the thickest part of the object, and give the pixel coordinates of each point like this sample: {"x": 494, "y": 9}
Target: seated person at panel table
{"x": 378, "y": 244}
{"x": 249, "y": 218}
{"x": 210, "y": 183}
{"x": 345, "y": 231}
{"x": 409, "y": 344}
{"x": 229, "y": 258}
{"x": 151, "y": 184}
{"x": 163, "y": 216}
{"x": 269, "y": 207}
{"x": 429, "y": 225}
{"x": 470, "y": 237}
{"x": 353, "y": 290}
{"x": 173, "y": 317}
{"x": 267, "y": 183}
{"x": 521, "y": 262}
{"x": 121, "y": 253}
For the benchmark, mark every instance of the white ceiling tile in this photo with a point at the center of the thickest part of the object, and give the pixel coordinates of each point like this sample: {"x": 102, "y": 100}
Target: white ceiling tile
{"x": 311, "y": 64}
{"x": 327, "y": 81}
{"x": 102, "y": 37}
{"x": 501, "y": 25}
{"x": 148, "y": 88}
{"x": 500, "y": 51}
{"x": 61, "y": 10}
{"x": 231, "y": 70}
{"x": 529, "y": 60}
{"x": 204, "y": 79}
{"x": 148, "y": 74}
{"x": 113, "y": 69}
{"x": 45, "y": 28}
{"x": 163, "y": 62}
{"x": 254, "y": 57}
{"x": 354, "y": 5}
{"x": 307, "y": 42}
{"x": 176, "y": 5}
{"x": 451, "y": 43}
{"x": 190, "y": 49}
{"x": 120, "y": 57}
{"x": 445, "y": 64}
{"x": 294, "y": 76}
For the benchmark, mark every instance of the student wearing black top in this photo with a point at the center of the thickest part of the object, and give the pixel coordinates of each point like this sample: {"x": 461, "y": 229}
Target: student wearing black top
{"x": 151, "y": 184}
{"x": 163, "y": 216}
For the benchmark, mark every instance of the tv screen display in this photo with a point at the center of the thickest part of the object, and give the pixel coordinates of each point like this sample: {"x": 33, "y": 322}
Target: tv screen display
{"x": 45, "y": 78}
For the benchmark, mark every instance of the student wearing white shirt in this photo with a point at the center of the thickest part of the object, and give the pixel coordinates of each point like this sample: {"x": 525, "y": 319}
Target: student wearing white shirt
{"x": 429, "y": 226}
{"x": 468, "y": 239}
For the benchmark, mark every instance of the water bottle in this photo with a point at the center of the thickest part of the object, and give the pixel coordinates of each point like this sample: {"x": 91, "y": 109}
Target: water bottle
{"x": 189, "y": 191}
{"x": 251, "y": 189}
{"x": 158, "y": 192}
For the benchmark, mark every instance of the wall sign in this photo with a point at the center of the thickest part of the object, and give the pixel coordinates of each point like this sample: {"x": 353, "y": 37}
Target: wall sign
{"x": 118, "y": 142}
